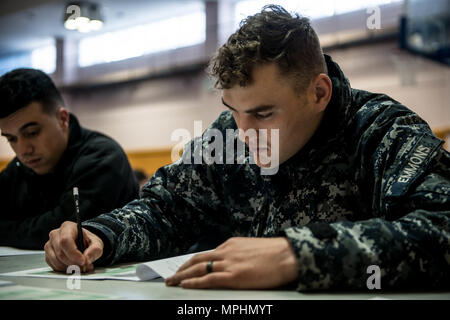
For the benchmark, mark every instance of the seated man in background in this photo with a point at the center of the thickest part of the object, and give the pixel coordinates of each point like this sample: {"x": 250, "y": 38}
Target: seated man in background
{"x": 53, "y": 155}
{"x": 362, "y": 182}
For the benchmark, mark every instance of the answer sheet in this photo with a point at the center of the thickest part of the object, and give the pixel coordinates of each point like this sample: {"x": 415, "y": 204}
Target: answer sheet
{"x": 10, "y": 251}
{"x": 131, "y": 272}
{"x": 127, "y": 272}
{"x": 18, "y": 292}
{"x": 163, "y": 267}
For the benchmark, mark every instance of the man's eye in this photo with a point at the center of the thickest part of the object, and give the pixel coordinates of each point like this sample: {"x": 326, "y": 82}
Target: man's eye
{"x": 263, "y": 115}
{"x": 32, "y": 133}
{"x": 11, "y": 140}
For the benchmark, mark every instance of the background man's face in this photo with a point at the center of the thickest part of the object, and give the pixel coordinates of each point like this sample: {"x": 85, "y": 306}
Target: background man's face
{"x": 270, "y": 102}
{"x": 38, "y": 139}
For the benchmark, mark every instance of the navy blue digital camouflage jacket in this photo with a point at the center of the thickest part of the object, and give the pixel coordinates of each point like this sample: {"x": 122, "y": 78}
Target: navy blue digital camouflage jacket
{"x": 371, "y": 187}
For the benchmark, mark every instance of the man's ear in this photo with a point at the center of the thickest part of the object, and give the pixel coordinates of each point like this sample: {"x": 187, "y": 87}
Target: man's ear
{"x": 62, "y": 115}
{"x": 322, "y": 89}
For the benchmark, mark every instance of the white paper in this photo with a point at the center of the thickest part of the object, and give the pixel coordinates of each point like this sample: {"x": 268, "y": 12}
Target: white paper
{"x": 131, "y": 272}
{"x": 5, "y": 283}
{"x": 163, "y": 267}
{"x": 17, "y": 292}
{"x": 10, "y": 251}
{"x": 127, "y": 272}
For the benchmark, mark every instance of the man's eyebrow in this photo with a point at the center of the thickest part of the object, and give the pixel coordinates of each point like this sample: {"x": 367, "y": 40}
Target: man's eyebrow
{"x": 257, "y": 109}
{"x": 227, "y": 105}
{"x": 26, "y": 125}
{"x": 29, "y": 124}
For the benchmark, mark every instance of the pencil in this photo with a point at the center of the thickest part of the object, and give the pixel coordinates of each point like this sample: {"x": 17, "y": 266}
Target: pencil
{"x": 80, "y": 242}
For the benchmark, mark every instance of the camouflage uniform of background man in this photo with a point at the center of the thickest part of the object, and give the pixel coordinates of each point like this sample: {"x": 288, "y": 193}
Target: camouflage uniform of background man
{"x": 362, "y": 181}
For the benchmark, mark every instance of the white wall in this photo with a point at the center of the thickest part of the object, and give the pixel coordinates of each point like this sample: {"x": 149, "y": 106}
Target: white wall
{"x": 144, "y": 115}
{"x": 420, "y": 84}
{"x": 144, "y": 125}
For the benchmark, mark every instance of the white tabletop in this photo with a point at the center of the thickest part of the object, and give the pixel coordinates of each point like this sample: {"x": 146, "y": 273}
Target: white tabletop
{"x": 158, "y": 290}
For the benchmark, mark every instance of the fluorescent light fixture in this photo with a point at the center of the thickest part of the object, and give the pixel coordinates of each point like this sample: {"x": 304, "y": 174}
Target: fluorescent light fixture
{"x": 156, "y": 36}
{"x": 95, "y": 24}
{"x": 82, "y": 16}
{"x": 70, "y": 24}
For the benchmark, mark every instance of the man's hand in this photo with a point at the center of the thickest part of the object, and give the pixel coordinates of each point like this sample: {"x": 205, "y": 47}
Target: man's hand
{"x": 240, "y": 263}
{"x": 61, "y": 250}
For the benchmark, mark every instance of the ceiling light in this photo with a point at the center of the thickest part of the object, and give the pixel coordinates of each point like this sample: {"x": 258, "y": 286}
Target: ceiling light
{"x": 70, "y": 24}
{"x": 95, "y": 24}
{"x": 82, "y": 16}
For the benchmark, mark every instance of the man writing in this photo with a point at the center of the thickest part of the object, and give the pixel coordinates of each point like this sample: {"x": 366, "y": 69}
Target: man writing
{"x": 345, "y": 195}
{"x": 53, "y": 155}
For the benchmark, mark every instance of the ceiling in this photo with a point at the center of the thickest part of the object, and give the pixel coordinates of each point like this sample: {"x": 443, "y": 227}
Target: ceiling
{"x": 28, "y": 24}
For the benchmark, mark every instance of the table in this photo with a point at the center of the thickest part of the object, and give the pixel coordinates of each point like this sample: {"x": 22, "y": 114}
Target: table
{"x": 158, "y": 290}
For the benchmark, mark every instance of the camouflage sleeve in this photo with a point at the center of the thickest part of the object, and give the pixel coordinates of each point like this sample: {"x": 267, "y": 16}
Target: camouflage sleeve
{"x": 406, "y": 176}
{"x": 178, "y": 205}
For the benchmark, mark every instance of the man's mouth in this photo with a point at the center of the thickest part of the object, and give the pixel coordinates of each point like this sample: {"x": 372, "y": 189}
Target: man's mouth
{"x": 33, "y": 162}
{"x": 257, "y": 149}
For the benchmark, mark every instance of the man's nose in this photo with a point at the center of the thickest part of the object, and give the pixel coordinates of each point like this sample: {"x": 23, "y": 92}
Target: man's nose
{"x": 243, "y": 127}
{"x": 247, "y": 131}
{"x": 243, "y": 124}
{"x": 25, "y": 148}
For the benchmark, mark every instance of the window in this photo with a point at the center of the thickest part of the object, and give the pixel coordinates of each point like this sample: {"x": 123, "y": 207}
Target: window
{"x": 168, "y": 34}
{"x": 43, "y": 58}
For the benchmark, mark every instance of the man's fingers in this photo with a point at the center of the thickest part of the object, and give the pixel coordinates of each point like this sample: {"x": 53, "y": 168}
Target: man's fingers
{"x": 198, "y": 258}
{"x": 62, "y": 251}
{"x": 51, "y": 259}
{"x": 67, "y": 244}
{"x": 194, "y": 271}
{"x": 94, "y": 248}
{"x": 61, "y": 256}
{"x": 63, "y": 244}
{"x": 211, "y": 280}
{"x": 92, "y": 253}
{"x": 54, "y": 245}
{"x": 90, "y": 268}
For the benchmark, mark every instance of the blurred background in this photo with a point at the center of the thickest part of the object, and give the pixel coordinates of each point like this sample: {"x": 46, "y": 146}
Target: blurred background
{"x": 135, "y": 69}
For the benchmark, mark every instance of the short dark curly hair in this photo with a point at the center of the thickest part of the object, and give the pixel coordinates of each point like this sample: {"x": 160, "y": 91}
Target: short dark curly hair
{"x": 20, "y": 87}
{"x": 273, "y": 35}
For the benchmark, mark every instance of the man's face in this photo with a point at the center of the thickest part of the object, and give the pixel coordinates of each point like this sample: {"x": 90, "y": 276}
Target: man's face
{"x": 270, "y": 102}
{"x": 38, "y": 139}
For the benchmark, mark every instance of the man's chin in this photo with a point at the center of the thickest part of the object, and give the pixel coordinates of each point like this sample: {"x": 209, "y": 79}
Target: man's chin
{"x": 265, "y": 162}
{"x": 268, "y": 168}
{"x": 40, "y": 170}
{"x": 263, "y": 165}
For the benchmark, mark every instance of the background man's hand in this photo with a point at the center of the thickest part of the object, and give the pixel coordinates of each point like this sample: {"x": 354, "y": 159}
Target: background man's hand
{"x": 240, "y": 263}
{"x": 61, "y": 250}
